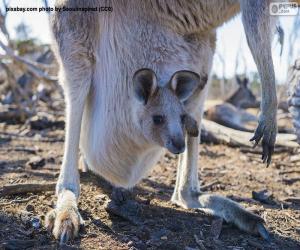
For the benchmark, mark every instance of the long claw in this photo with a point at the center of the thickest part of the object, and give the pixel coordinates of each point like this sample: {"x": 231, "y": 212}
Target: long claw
{"x": 265, "y": 153}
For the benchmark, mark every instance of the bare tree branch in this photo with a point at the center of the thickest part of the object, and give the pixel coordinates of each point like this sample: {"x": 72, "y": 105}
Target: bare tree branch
{"x": 32, "y": 67}
{"x": 2, "y": 22}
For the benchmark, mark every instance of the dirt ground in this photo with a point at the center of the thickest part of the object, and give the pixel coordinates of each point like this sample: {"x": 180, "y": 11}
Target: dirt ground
{"x": 35, "y": 156}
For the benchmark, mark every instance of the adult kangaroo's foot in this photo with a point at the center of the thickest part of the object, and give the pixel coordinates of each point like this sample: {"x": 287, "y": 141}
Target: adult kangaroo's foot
{"x": 64, "y": 221}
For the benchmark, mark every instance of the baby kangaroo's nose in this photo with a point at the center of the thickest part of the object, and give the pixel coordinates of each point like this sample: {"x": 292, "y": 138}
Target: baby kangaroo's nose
{"x": 178, "y": 144}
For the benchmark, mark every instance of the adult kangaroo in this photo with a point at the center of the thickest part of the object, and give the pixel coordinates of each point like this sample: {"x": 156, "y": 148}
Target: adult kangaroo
{"x": 135, "y": 81}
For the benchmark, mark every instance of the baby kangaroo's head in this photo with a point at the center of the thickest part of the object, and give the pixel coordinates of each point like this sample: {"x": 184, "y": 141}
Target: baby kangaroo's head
{"x": 161, "y": 114}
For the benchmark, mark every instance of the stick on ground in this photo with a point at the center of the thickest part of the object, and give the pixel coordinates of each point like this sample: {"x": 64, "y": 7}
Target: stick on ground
{"x": 23, "y": 188}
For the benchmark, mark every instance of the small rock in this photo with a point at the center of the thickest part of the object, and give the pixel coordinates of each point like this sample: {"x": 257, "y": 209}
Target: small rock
{"x": 30, "y": 208}
{"x": 164, "y": 238}
{"x": 36, "y": 162}
{"x": 51, "y": 160}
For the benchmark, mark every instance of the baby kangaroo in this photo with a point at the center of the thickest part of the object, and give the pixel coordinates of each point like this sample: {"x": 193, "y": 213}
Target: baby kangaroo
{"x": 135, "y": 80}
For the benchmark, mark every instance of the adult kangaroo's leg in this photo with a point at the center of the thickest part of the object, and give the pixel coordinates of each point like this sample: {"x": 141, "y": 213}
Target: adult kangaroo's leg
{"x": 75, "y": 55}
{"x": 259, "y": 26}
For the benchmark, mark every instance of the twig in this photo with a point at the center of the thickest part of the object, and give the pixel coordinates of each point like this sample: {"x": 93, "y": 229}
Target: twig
{"x": 23, "y": 188}
{"x": 19, "y": 201}
{"x": 209, "y": 185}
{"x": 33, "y": 67}
{"x": 5, "y": 135}
{"x": 243, "y": 199}
{"x": 292, "y": 199}
{"x": 291, "y": 181}
{"x": 20, "y": 149}
{"x": 18, "y": 114}
{"x": 3, "y": 21}
{"x": 289, "y": 171}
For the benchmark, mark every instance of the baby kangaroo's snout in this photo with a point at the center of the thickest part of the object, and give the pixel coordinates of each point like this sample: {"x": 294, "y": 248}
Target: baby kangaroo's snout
{"x": 176, "y": 144}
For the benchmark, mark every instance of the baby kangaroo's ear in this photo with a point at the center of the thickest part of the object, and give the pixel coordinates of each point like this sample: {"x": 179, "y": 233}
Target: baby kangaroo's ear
{"x": 145, "y": 84}
{"x": 184, "y": 83}
{"x": 191, "y": 126}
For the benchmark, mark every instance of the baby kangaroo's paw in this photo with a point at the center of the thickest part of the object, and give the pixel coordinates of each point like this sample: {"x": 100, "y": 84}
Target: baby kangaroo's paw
{"x": 64, "y": 221}
{"x": 267, "y": 130}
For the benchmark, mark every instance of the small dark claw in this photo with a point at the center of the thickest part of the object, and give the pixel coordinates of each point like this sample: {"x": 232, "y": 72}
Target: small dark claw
{"x": 268, "y": 148}
{"x": 265, "y": 153}
{"x": 271, "y": 150}
{"x": 263, "y": 232}
{"x": 271, "y": 147}
{"x": 255, "y": 144}
{"x": 258, "y": 134}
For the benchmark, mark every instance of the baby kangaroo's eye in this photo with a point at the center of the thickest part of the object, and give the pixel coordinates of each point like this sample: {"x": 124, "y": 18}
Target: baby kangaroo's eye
{"x": 158, "y": 119}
